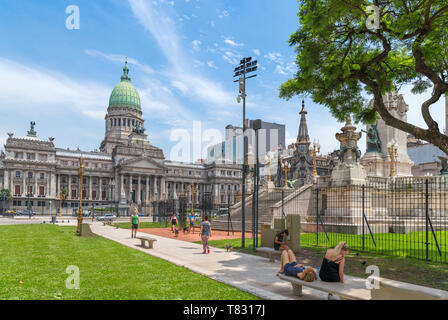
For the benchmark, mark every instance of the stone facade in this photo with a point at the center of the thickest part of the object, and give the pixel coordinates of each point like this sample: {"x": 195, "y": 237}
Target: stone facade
{"x": 126, "y": 170}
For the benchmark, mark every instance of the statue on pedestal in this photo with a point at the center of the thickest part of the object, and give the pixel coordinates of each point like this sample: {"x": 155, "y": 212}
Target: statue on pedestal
{"x": 373, "y": 139}
{"x": 444, "y": 163}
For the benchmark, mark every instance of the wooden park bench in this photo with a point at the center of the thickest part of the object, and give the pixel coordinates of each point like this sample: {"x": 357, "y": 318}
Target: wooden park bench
{"x": 147, "y": 240}
{"x": 353, "y": 288}
{"x": 271, "y": 252}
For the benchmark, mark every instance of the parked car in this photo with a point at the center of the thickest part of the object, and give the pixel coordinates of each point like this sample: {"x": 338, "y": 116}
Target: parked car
{"x": 9, "y": 213}
{"x": 25, "y": 212}
{"x": 86, "y": 214}
{"x": 106, "y": 217}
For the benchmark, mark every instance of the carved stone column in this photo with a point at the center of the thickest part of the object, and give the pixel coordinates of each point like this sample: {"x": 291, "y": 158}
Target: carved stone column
{"x": 138, "y": 198}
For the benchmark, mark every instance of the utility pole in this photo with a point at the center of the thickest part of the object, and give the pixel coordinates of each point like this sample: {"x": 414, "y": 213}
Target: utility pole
{"x": 246, "y": 66}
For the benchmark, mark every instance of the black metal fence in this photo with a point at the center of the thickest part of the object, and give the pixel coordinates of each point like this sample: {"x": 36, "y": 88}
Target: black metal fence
{"x": 405, "y": 217}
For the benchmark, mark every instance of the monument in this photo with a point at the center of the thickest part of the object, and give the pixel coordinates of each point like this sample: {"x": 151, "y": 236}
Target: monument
{"x": 387, "y": 151}
{"x": 349, "y": 170}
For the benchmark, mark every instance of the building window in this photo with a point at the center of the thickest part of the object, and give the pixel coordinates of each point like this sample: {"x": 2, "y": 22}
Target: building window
{"x": 119, "y": 122}
{"x": 41, "y": 191}
{"x": 74, "y": 194}
{"x": 30, "y": 175}
{"x": 42, "y": 175}
{"x": 43, "y": 157}
{"x": 17, "y": 190}
{"x": 30, "y": 189}
{"x": 31, "y": 156}
{"x": 17, "y": 174}
{"x": 18, "y": 155}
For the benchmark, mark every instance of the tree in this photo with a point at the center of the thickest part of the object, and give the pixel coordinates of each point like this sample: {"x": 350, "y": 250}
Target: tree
{"x": 349, "y": 48}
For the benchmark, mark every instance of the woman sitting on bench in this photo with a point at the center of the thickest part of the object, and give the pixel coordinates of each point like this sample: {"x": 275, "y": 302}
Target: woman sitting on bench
{"x": 291, "y": 268}
{"x": 279, "y": 242}
{"x": 332, "y": 269}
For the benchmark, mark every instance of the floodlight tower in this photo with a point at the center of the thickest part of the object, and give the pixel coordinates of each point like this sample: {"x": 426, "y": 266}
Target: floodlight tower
{"x": 246, "y": 66}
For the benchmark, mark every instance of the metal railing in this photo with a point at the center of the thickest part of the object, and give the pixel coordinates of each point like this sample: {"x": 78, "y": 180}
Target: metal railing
{"x": 406, "y": 217}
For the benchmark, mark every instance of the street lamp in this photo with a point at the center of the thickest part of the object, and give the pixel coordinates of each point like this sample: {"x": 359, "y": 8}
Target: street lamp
{"x": 80, "y": 176}
{"x": 285, "y": 166}
{"x": 392, "y": 147}
{"x": 314, "y": 151}
{"x": 256, "y": 125}
{"x": 246, "y": 66}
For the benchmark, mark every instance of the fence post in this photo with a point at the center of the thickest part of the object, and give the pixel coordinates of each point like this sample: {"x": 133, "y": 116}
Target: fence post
{"x": 363, "y": 213}
{"x": 317, "y": 216}
{"x": 427, "y": 217}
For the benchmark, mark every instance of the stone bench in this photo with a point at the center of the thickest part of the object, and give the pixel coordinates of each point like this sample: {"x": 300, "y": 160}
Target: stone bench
{"x": 353, "y": 288}
{"x": 147, "y": 240}
{"x": 397, "y": 290}
{"x": 271, "y": 252}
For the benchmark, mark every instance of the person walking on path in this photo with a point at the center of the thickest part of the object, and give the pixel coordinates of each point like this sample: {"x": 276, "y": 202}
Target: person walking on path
{"x": 206, "y": 233}
{"x": 173, "y": 222}
{"x": 191, "y": 222}
{"x": 135, "y": 221}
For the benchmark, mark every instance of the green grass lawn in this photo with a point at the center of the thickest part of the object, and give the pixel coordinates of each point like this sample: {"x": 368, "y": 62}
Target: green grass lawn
{"x": 394, "y": 244}
{"x": 34, "y": 259}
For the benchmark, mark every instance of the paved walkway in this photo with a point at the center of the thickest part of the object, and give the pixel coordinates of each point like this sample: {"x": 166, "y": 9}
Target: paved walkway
{"x": 246, "y": 272}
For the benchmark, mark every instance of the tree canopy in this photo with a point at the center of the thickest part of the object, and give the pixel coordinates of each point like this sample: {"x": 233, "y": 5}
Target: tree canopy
{"x": 347, "y": 48}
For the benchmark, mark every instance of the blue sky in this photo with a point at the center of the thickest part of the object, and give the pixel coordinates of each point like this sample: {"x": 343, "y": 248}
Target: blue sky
{"x": 181, "y": 56}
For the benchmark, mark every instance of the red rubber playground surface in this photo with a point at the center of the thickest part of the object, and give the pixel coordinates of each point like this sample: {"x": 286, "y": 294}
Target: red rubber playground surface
{"x": 191, "y": 237}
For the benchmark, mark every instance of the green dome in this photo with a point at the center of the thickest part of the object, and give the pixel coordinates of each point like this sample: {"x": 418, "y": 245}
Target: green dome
{"x": 124, "y": 93}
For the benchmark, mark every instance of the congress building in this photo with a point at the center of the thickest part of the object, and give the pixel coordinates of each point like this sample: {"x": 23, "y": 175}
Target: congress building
{"x": 127, "y": 170}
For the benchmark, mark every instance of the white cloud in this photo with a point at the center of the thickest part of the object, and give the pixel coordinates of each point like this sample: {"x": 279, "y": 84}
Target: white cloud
{"x": 162, "y": 28}
{"x": 180, "y": 86}
{"x": 232, "y": 43}
{"x": 119, "y": 58}
{"x": 257, "y": 52}
{"x": 280, "y": 69}
{"x": 211, "y": 64}
{"x": 231, "y": 57}
{"x": 196, "y": 44}
{"x": 223, "y": 14}
{"x": 274, "y": 57}
{"x": 32, "y": 88}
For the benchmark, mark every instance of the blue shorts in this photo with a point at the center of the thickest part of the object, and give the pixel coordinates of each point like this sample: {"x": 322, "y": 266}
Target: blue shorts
{"x": 291, "y": 270}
